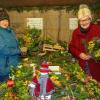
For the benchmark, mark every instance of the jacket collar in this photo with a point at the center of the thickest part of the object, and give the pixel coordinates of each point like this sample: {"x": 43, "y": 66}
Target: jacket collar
{"x": 84, "y": 32}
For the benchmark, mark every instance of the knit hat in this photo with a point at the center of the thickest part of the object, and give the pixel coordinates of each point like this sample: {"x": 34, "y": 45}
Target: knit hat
{"x": 44, "y": 67}
{"x": 84, "y": 12}
{"x": 3, "y": 14}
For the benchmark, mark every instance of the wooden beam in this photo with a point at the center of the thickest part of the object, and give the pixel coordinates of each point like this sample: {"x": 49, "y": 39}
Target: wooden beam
{"x": 32, "y": 3}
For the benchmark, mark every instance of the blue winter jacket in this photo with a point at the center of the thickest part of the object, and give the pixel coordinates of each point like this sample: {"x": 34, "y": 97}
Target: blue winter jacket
{"x": 8, "y": 42}
{"x": 9, "y": 50}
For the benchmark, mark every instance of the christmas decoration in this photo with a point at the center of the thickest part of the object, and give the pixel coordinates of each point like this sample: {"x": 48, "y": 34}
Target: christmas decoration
{"x": 42, "y": 88}
{"x": 46, "y": 85}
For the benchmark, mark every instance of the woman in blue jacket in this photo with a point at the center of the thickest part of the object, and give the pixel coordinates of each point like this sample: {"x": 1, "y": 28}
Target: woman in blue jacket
{"x": 9, "y": 50}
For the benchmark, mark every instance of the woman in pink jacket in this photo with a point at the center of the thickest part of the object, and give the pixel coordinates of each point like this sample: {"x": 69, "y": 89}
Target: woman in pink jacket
{"x": 86, "y": 31}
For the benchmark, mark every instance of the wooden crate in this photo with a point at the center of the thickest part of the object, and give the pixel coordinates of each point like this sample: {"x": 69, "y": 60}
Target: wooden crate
{"x": 48, "y": 47}
{"x": 51, "y": 48}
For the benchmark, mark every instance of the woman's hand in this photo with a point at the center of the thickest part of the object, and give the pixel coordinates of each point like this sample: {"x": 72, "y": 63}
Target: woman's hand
{"x": 84, "y": 56}
{"x": 88, "y": 78}
{"x": 23, "y": 51}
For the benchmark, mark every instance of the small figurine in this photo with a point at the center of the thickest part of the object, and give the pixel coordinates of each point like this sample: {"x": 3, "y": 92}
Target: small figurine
{"x": 46, "y": 85}
{"x": 34, "y": 86}
{"x": 43, "y": 88}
